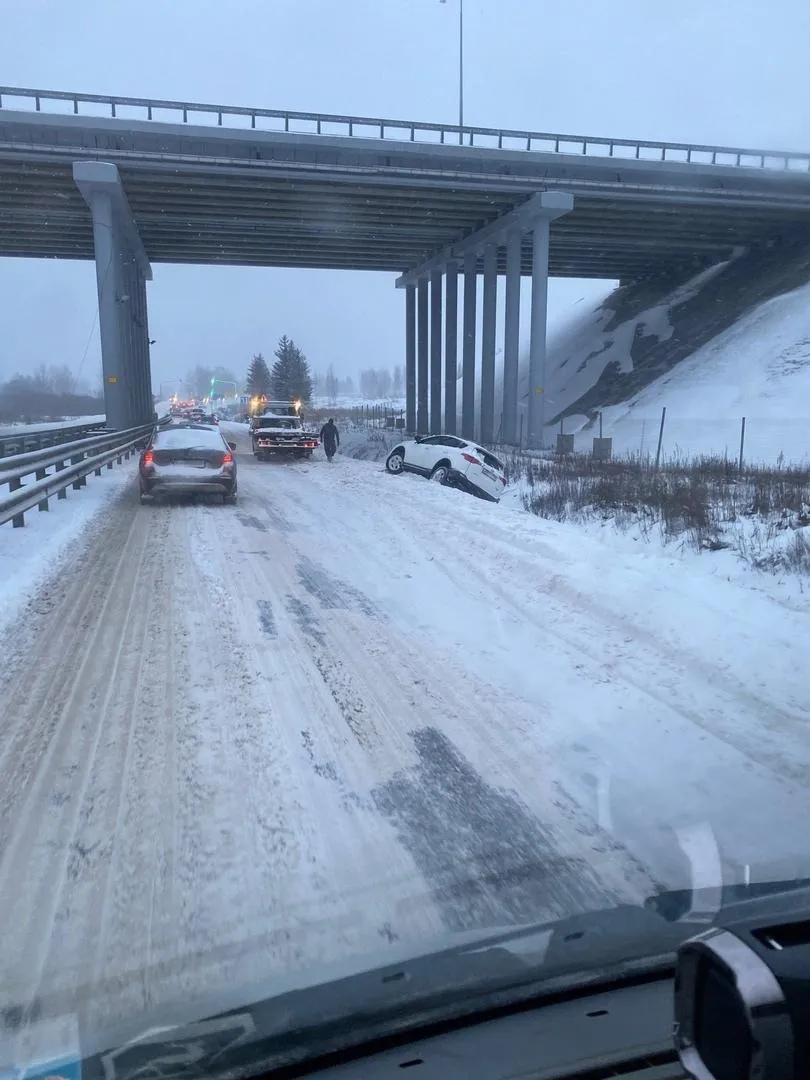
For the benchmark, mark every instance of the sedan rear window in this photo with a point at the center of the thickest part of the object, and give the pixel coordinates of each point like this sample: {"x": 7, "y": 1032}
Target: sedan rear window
{"x": 194, "y": 435}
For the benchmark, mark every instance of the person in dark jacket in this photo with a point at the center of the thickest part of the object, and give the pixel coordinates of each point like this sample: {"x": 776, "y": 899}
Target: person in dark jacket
{"x": 330, "y": 438}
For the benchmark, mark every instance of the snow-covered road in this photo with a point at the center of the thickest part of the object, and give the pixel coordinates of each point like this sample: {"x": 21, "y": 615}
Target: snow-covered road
{"x": 356, "y": 710}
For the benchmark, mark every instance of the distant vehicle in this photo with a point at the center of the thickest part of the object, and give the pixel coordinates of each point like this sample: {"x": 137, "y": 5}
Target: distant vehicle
{"x": 451, "y": 461}
{"x": 278, "y": 430}
{"x": 188, "y": 458}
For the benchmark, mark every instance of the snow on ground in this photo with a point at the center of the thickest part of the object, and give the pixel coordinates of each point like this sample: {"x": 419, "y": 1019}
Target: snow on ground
{"x": 759, "y": 368}
{"x": 45, "y": 545}
{"x": 357, "y": 712}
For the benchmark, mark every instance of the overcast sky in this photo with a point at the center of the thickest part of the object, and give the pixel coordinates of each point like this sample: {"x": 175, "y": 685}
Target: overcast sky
{"x": 713, "y": 71}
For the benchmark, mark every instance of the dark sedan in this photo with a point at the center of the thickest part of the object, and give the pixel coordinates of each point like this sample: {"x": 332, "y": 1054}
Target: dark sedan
{"x": 188, "y": 458}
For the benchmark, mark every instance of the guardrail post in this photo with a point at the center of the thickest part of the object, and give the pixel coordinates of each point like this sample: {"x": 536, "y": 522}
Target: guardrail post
{"x": 63, "y": 493}
{"x": 79, "y": 482}
{"x": 40, "y": 475}
{"x": 19, "y": 519}
{"x": 109, "y": 464}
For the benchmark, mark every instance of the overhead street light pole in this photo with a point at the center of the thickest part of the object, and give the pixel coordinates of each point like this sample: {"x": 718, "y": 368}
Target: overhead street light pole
{"x": 460, "y": 70}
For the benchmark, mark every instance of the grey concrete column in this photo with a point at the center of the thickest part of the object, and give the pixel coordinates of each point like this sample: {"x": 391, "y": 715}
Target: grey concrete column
{"x": 435, "y": 352}
{"x": 422, "y": 419}
{"x": 537, "y": 347}
{"x": 488, "y": 330}
{"x": 511, "y": 338}
{"x": 410, "y": 359}
{"x": 451, "y": 349}
{"x": 142, "y": 319}
{"x": 468, "y": 346}
{"x": 116, "y": 402}
{"x": 122, "y": 268}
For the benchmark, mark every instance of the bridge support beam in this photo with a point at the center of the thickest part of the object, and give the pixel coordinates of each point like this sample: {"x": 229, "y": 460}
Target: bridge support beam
{"x": 436, "y": 351}
{"x": 122, "y": 270}
{"x": 422, "y": 356}
{"x": 451, "y": 349}
{"x": 410, "y": 359}
{"x": 511, "y": 339}
{"x": 536, "y": 420}
{"x": 468, "y": 346}
{"x": 488, "y": 337}
{"x": 534, "y": 217}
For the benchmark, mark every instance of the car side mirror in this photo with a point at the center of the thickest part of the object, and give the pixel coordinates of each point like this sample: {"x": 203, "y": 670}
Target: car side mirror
{"x": 231, "y": 445}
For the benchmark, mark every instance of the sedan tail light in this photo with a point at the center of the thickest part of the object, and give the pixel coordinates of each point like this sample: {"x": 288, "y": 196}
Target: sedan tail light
{"x": 227, "y": 458}
{"x": 472, "y": 460}
{"x": 148, "y": 457}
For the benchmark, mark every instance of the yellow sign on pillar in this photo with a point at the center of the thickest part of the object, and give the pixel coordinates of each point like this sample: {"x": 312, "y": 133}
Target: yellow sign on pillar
{"x": 538, "y": 389}
{"x": 112, "y": 378}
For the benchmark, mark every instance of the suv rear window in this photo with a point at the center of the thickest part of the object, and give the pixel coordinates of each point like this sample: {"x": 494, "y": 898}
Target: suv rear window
{"x": 489, "y": 459}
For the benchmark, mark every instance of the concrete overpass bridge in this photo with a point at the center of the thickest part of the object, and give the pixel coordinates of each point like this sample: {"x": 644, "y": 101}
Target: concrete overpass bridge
{"x": 129, "y": 182}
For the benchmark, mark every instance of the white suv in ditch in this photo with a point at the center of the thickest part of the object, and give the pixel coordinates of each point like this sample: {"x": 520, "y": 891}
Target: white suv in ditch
{"x": 453, "y": 461}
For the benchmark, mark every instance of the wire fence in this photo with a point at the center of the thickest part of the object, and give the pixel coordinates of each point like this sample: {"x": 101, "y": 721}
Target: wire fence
{"x": 752, "y": 440}
{"x": 656, "y": 440}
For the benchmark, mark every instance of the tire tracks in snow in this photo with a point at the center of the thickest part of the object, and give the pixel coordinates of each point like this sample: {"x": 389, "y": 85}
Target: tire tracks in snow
{"x": 391, "y": 695}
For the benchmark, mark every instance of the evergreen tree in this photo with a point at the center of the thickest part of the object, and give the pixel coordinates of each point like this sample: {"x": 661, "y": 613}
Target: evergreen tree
{"x": 290, "y": 378}
{"x": 257, "y": 383}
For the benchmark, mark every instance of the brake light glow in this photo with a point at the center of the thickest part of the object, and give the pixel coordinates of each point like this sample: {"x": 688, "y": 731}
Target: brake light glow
{"x": 227, "y": 459}
{"x": 472, "y": 460}
{"x": 148, "y": 457}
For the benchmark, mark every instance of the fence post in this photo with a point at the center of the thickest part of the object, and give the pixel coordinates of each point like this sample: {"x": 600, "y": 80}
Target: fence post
{"x": 660, "y": 437}
{"x": 742, "y": 442}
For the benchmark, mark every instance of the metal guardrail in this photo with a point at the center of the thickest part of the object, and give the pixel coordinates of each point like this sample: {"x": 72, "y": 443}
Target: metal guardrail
{"x": 71, "y": 465}
{"x": 305, "y": 123}
{"x": 23, "y": 440}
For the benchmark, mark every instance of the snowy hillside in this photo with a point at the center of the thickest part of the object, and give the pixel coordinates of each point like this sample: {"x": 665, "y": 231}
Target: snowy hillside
{"x": 731, "y": 342}
{"x": 759, "y": 369}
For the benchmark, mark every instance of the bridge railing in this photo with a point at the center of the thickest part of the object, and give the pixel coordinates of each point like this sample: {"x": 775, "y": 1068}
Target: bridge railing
{"x": 60, "y": 102}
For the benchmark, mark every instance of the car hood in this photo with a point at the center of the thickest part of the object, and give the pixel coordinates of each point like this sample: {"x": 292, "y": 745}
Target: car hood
{"x": 281, "y": 1020}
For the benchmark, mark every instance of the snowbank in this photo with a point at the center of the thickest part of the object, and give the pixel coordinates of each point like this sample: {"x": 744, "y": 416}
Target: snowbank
{"x": 42, "y": 547}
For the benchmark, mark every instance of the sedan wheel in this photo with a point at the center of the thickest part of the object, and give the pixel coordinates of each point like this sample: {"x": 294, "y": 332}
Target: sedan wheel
{"x": 396, "y": 462}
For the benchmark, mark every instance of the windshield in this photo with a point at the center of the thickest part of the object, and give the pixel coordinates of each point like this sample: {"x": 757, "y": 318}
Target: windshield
{"x": 486, "y": 606}
{"x": 277, "y": 422}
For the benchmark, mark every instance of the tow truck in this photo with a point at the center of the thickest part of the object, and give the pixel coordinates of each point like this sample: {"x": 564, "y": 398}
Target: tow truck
{"x": 277, "y": 429}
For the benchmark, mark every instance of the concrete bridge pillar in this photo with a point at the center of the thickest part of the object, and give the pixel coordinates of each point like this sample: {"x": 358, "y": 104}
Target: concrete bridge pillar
{"x": 422, "y": 418}
{"x": 122, "y": 270}
{"x": 468, "y": 345}
{"x": 424, "y": 328}
{"x": 451, "y": 349}
{"x": 410, "y": 359}
{"x": 436, "y": 351}
{"x": 511, "y": 338}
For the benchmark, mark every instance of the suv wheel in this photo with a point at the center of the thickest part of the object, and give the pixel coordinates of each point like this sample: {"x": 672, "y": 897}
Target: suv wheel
{"x": 395, "y": 463}
{"x": 441, "y": 474}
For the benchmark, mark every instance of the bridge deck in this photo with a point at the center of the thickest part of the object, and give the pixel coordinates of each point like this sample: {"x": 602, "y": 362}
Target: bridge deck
{"x": 281, "y": 198}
